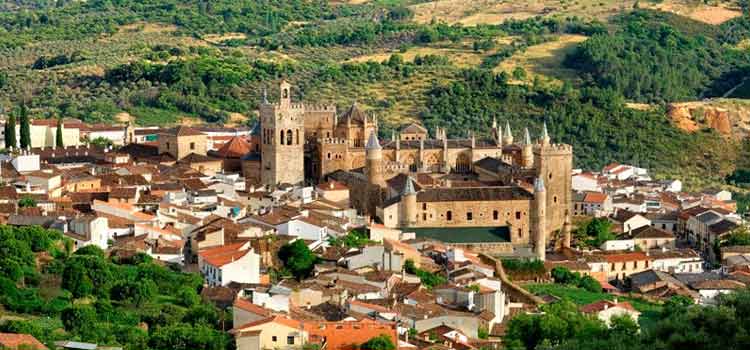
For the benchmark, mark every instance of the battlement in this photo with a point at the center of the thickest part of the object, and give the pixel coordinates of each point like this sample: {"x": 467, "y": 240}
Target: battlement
{"x": 319, "y": 107}
{"x": 555, "y": 148}
{"x": 332, "y": 141}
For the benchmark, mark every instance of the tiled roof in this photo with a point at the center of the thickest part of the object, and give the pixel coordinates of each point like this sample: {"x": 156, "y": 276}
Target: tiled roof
{"x": 247, "y": 305}
{"x": 223, "y": 255}
{"x": 625, "y": 257}
{"x": 236, "y": 147}
{"x": 604, "y": 304}
{"x": 183, "y": 131}
{"x": 14, "y": 341}
{"x": 473, "y": 194}
{"x": 650, "y": 232}
{"x": 595, "y": 197}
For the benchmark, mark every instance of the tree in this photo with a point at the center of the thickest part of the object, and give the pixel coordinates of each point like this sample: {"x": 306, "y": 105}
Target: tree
{"x": 27, "y": 202}
{"x": 101, "y": 142}
{"x": 187, "y": 297}
{"x": 590, "y": 284}
{"x": 25, "y": 127}
{"x": 59, "y": 134}
{"x": 182, "y": 336}
{"x": 136, "y": 292}
{"x": 10, "y": 132}
{"x": 381, "y": 342}
{"x": 298, "y": 258}
{"x": 78, "y": 317}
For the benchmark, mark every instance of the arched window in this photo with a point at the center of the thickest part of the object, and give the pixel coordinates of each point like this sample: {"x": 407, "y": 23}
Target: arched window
{"x": 289, "y": 137}
{"x": 449, "y": 215}
{"x": 281, "y": 137}
{"x": 285, "y": 93}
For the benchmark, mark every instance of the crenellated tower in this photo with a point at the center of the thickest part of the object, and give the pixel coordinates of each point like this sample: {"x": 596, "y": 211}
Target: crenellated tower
{"x": 282, "y": 139}
{"x": 554, "y": 164}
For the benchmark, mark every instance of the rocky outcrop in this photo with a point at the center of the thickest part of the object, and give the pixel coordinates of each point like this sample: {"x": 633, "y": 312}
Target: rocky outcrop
{"x": 730, "y": 118}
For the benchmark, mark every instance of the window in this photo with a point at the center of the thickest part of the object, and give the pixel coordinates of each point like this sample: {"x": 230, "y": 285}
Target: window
{"x": 288, "y": 137}
{"x": 449, "y": 215}
{"x": 518, "y": 215}
{"x": 281, "y": 137}
{"x": 296, "y": 136}
{"x": 554, "y": 199}
{"x": 273, "y": 339}
{"x": 192, "y": 146}
{"x": 469, "y": 216}
{"x": 495, "y": 215}
{"x": 329, "y": 155}
{"x": 290, "y": 340}
{"x": 520, "y": 233}
{"x": 424, "y": 217}
{"x": 424, "y": 206}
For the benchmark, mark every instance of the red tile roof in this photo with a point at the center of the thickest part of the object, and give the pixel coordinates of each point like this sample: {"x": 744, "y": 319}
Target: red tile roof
{"x": 623, "y": 257}
{"x": 14, "y": 341}
{"x": 223, "y": 255}
{"x": 602, "y": 305}
{"x": 236, "y": 147}
{"x": 595, "y": 197}
{"x": 247, "y": 305}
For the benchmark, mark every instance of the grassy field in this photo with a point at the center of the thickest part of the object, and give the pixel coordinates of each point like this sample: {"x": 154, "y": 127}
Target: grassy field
{"x": 544, "y": 60}
{"x": 649, "y": 311}
{"x": 494, "y": 11}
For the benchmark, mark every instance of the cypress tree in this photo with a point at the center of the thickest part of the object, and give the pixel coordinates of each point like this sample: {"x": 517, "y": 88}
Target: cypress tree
{"x": 10, "y": 131}
{"x": 59, "y": 134}
{"x": 25, "y": 128}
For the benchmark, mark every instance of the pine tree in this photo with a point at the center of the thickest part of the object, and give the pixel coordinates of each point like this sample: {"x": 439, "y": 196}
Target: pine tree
{"x": 25, "y": 128}
{"x": 59, "y": 134}
{"x": 10, "y": 131}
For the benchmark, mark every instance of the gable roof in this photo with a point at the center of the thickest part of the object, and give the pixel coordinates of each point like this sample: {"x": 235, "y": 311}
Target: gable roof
{"x": 13, "y": 341}
{"x": 602, "y": 305}
{"x": 183, "y": 131}
{"x": 223, "y": 255}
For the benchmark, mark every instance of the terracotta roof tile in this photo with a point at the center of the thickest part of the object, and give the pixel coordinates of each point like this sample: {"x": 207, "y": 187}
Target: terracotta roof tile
{"x": 13, "y": 341}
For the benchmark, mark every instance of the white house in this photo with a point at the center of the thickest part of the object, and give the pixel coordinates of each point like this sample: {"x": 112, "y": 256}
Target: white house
{"x": 230, "y": 263}
{"x": 26, "y": 162}
{"x": 586, "y": 182}
{"x": 676, "y": 260}
{"x": 605, "y": 310}
{"x": 711, "y": 288}
{"x": 627, "y": 220}
{"x": 89, "y": 230}
{"x": 618, "y": 244}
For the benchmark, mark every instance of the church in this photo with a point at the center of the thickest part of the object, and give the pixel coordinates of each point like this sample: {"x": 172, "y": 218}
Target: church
{"x": 414, "y": 180}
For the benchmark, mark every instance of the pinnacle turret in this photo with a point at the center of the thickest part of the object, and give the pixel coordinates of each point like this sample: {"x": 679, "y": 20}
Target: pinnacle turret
{"x": 372, "y": 142}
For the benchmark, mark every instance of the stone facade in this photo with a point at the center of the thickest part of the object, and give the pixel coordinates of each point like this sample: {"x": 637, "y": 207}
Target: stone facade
{"x": 182, "y": 141}
{"x": 282, "y": 140}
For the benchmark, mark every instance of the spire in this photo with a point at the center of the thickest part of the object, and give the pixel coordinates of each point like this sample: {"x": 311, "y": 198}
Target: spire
{"x": 526, "y": 136}
{"x": 507, "y": 130}
{"x": 409, "y": 187}
{"x": 494, "y": 123}
{"x": 539, "y": 185}
{"x": 265, "y": 95}
{"x": 372, "y": 142}
{"x": 545, "y": 134}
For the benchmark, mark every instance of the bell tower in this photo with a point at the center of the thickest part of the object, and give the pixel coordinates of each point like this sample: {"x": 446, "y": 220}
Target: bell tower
{"x": 282, "y": 139}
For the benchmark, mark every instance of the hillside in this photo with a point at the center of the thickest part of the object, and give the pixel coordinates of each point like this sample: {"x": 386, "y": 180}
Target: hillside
{"x": 567, "y": 62}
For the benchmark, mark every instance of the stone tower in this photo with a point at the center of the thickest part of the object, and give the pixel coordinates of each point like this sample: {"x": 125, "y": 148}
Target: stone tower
{"x": 283, "y": 133}
{"x": 374, "y": 161}
{"x": 409, "y": 202}
{"x": 540, "y": 219}
{"x": 554, "y": 164}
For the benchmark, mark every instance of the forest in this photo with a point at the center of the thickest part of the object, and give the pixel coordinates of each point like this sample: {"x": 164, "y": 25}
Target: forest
{"x": 160, "y": 62}
{"x": 131, "y": 301}
{"x": 681, "y": 325}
